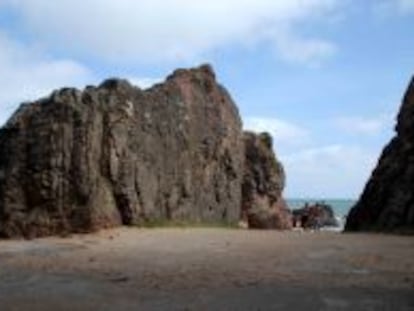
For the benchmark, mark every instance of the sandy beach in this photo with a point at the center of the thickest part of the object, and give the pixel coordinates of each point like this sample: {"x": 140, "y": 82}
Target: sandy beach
{"x": 208, "y": 269}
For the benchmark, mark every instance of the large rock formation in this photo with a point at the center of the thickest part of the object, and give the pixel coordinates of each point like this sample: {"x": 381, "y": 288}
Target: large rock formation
{"x": 387, "y": 203}
{"x": 115, "y": 154}
{"x": 315, "y": 216}
{"x": 263, "y": 182}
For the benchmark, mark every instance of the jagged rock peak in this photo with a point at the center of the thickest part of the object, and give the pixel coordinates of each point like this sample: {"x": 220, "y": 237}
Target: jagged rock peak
{"x": 117, "y": 84}
{"x": 263, "y": 206}
{"x": 204, "y": 71}
{"x": 405, "y": 125}
{"x": 387, "y": 202}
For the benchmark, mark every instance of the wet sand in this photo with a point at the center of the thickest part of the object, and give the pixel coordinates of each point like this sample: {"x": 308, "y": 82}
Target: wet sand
{"x": 208, "y": 269}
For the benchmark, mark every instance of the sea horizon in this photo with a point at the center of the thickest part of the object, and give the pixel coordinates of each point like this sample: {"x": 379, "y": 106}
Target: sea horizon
{"x": 341, "y": 206}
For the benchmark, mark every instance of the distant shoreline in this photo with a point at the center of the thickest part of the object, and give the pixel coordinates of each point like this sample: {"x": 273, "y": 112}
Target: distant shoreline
{"x": 340, "y": 206}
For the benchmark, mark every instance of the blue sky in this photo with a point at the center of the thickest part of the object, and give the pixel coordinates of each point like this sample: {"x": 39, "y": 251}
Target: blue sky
{"x": 325, "y": 77}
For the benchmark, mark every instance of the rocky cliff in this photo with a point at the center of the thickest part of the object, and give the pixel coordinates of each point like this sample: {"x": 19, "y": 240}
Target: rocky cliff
{"x": 78, "y": 161}
{"x": 387, "y": 202}
{"x": 264, "y": 179}
{"x": 116, "y": 154}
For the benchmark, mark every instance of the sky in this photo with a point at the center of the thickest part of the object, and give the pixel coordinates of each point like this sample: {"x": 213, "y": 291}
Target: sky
{"x": 324, "y": 77}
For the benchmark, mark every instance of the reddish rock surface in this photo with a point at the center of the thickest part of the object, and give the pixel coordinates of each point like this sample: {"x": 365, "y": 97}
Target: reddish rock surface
{"x": 264, "y": 179}
{"x": 115, "y": 154}
{"x": 78, "y": 161}
{"x": 314, "y": 216}
{"x": 387, "y": 202}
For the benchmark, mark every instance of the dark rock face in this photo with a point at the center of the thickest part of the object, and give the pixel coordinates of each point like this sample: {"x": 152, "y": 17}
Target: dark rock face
{"x": 314, "y": 216}
{"x": 263, "y": 182}
{"x": 387, "y": 203}
{"x": 114, "y": 154}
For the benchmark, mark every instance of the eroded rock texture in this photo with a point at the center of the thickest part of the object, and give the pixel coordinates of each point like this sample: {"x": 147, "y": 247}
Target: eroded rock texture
{"x": 314, "y": 216}
{"x": 264, "y": 179}
{"x": 387, "y": 203}
{"x": 114, "y": 154}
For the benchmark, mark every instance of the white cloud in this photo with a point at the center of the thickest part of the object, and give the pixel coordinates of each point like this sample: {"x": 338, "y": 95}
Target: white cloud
{"x": 336, "y": 170}
{"x": 144, "y": 83}
{"x": 159, "y": 30}
{"x": 303, "y": 51}
{"x": 363, "y": 126}
{"x": 26, "y": 74}
{"x": 329, "y": 171}
{"x": 284, "y": 133}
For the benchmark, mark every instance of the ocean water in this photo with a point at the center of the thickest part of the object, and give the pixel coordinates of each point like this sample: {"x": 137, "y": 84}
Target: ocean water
{"x": 341, "y": 207}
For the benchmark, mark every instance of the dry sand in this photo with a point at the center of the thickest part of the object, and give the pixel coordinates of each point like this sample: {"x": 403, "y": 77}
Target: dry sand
{"x": 208, "y": 269}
